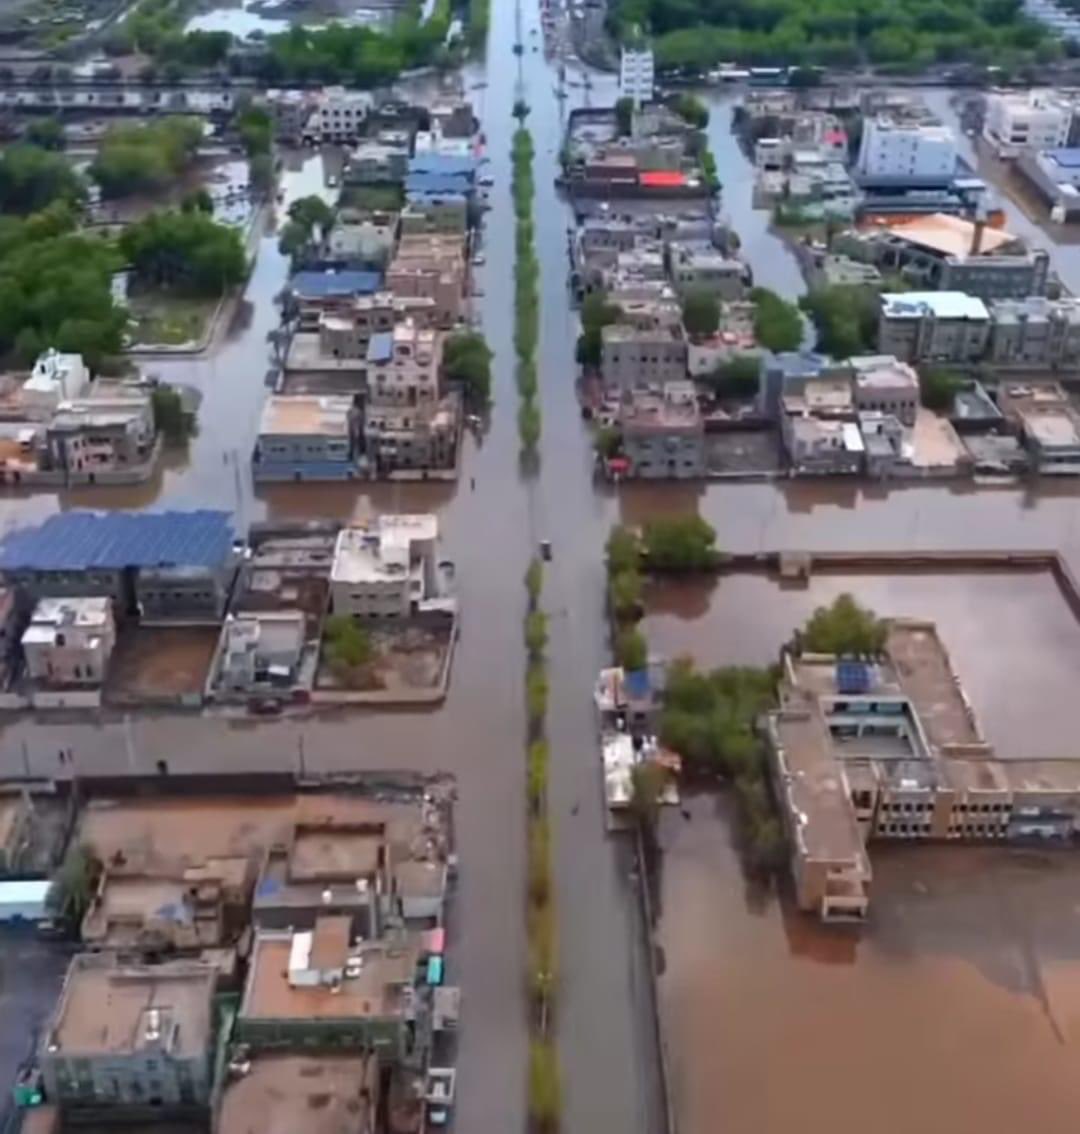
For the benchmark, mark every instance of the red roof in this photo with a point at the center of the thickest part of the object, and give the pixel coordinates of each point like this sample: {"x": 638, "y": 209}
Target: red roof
{"x": 662, "y": 179}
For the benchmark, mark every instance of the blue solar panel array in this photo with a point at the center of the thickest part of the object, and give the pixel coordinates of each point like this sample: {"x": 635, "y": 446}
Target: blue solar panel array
{"x": 852, "y": 677}
{"x": 345, "y": 282}
{"x": 82, "y": 541}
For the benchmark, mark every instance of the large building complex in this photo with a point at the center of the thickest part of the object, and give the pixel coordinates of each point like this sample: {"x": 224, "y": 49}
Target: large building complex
{"x": 900, "y": 151}
{"x": 1018, "y": 121}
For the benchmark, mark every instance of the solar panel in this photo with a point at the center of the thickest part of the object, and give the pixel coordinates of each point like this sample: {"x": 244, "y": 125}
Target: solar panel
{"x": 852, "y": 677}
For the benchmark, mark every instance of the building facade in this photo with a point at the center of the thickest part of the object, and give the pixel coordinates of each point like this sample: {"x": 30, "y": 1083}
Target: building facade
{"x": 385, "y": 570}
{"x": 69, "y": 641}
{"x": 663, "y": 435}
{"x": 636, "y": 74}
{"x": 928, "y": 327}
{"x": 1035, "y": 333}
{"x": 1016, "y": 122}
{"x": 882, "y": 383}
{"x": 642, "y": 356}
{"x": 899, "y": 151}
{"x": 305, "y": 437}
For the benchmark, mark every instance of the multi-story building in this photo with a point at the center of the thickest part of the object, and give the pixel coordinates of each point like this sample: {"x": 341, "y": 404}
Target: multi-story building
{"x": 339, "y": 115}
{"x": 132, "y": 1039}
{"x": 636, "y": 74}
{"x": 1018, "y": 121}
{"x": 69, "y": 641}
{"x": 100, "y": 436}
{"x": 316, "y": 293}
{"x": 642, "y": 356}
{"x": 387, "y": 569}
{"x": 430, "y": 267}
{"x": 663, "y": 435}
{"x": 364, "y": 237}
{"x": 821, "y": 446}
{"x": 55, "y": 378}
{"x": 899, "y": 151}
{"x": 261, "y": 649}
{"x": 377, "y": 163}
{"x": 307, "y": 437}
{"x": 1048, "y": 424}
{"x": 933, "y": 326}
{"x": 414, "y": 441}
{"x": 1035, "y": 333}
{"x": 363, "y": 329}
{"x": 705, "y": 266}
{"x": 407, "y": 373}
{"x": 883, "y": 384}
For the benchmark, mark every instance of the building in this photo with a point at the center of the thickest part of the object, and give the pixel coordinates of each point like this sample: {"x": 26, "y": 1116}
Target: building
{"x": 788, "y": 373}
{"x": 405, "y": 441}
{"x": 403, "y": 367}
{"x": 307, "y": 437}
{"x": 431, "y": 266}
{"x": 636, "y": 74}
{"x": 55, "y": 378}
{"x": 1048, "y": 425}
{"x": 375, "y": 162}
{"x": 900, "y": 151}
{"x": 642, "y": 356}
{"x": 386, "y": 570}
{"x": 69, "y": 641}
{"x": 160, "y": 566}
{"x": 821, "y": 446}
{"x": 705, "y": 266}
{"x": 339, "y": 116}
{"x": 447, "y": 212}
{"x": 105, "y": 437}
{"x": 362, "y": 236}
{"x": 883, "y": 384}
{"x": 1018, "y": 121}
{"x": 1055, "y": 174}
{"x": 933, "y": 326}
{"x": 884, "y": 448}
{"x": 663, "y": 435}
{"x": 261, "y": 650}
{"x": 134, "y": 1038}
{"x": 1035, "y": 333}
{"x": 328, "y": 291}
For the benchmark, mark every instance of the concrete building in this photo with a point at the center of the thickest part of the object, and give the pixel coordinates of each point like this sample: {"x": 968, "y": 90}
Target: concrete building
{"x": 899, "y": 151}
{"x": 377, "y": 163}
{"x": 789, "y": 372}
{"x": 446, "y": 212}
{"x": 663, "y": 435}
{"x": 403, "y": 367}
{"x": 100, "y": 436}
{"x": 636, "y": 74}
{"x": 361, "y": 330}
{"x": 413, "y": 442}
{"x": 884, "y": 446}
{"x": 705, "y": 266}
{"x": 339, "y": 115}
{"x": 882, "y": 383}
{"x": 821, "y": 446}
{"x": 362, "y": 237}
{"x": 638, "y": 356}
{"x": 304, "y": 437}
{"x": 1035, "y": 333}
{"x": 55, "y": 378}
{"x": 261, "y": 650}
{"x": 1055, "y": 174}
{"x": 386, "y": 570}
{"x": 922, "y": 327}
{"x": 1019, "y": 121}
{"x": 134, "y": 1039}
{"x": 431, "y": 267}
{"x": 315, "y": 293}
{"x": 1047, "y": 422}
{"x": 69, "y": 641}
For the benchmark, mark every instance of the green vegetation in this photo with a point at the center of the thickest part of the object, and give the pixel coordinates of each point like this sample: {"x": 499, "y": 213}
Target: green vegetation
{"x": 624, "y": 117}
{"x": 46, "y": 133}
{"x": 32, "y": 178}
{"x": 536, "y": 694}
{"x": 347, "y": 646}
{"x": 777, "y": 324}
{"x": 680, "y": 543}
{"x": 156, "y": 28}
{"x": 536, "y": 774}
{"x": 631, "y": 649}
{"x": 545, "y": 1090}
{"x": 255, "y": 125}
{"x": 373, "y": 198}
{"x": 690, "y": 109}
{"x": 526, "y": 290}
{"x": 186, "y": 253}
{"x": 846, "y": 318}
{"x": 536, "y": 633}
{"x": 624, "y": 594}
{"x": 467, "y": 360}
{"x": 310, "y": 219}
{"x": 845, "y": 627}
{"x": 73, "y": 885}
{"x": 623, "y": 551}
{"x": 534, "y": 580}
{"x": 55, "y": 289}
{"x": 145, "y": 158}
{"x": 197, "y": 201}
{"x": 479, "y": 18}
{"x": 700, "y": 312}
{"x": 708, "y": 168}
{"x": 170, "y": 420}
{"x": 596, "y": 313}
{"x": 938, "y": 388}
{"x": 163, "y": 318}
{"x": 608, "y": 441}
{"x": 739, "y": 377}
{"x": 698, "y": 34}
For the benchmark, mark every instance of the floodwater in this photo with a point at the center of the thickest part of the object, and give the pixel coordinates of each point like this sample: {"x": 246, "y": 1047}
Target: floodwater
{"x": 1012, "y": 637}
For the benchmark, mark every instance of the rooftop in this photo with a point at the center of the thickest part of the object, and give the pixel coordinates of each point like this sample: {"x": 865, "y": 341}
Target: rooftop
{"x": 1051, "y": 428}
{"x": 951, "y": 235}
{"x": 306, "y": 415}
{"x": 382, "y": 551}
{"x": 81, "y": 541}
{"x": 319, "y": 285}
{"x": 674, "y": 409}
{"x": 86, "y": 612}
{"x": 112, "y": 1008}
{"x": 879, "y": 372}
{"x": 939, "y": 304}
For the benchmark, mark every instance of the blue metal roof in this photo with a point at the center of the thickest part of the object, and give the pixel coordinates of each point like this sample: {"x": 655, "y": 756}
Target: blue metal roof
{"x": 443, "y": 163}
{"x": 81, "y": 541}
{"x": 637, "y": 684}
{"x": 1067, "y": 157}
{"x": 381, "y": 346}
{"x": 346, "y": 282}
{"x": 423, "y": 197}
{"x": 436, "y": 183}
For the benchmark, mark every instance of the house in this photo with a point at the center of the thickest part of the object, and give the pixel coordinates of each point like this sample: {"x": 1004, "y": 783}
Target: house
{"x": 933, "y": 326}
{"x": 101, "y": 436}
{"x": 400, "y": 440}
{"x": 314, "y": 293}
{"x": 445, "y": 212}
{"x": 69, "y": 641}
{"x": 787, "y": 373}
{"x": 819, "y": 446}
{"x": 55, "y": 378}
{"x": 403, "y": 367}
{"x": 339, "y": 115}
{"x": 430, "y": 266}
{"x": 1055, "y": 174}
{"x": 362, "y": 236}
{"x": 636, "y": 73}
{"x": 1035, "y": 333}
{"x": 883, "y": 443}
{"x": 663, "y": 435}
{"x": 261, "y": 650}
{"x": 702, "y": 265}
{"x": 1020, "y": 121}
{"x": 377, "y": 163}
{"x": 884, "y": 384}
{"x": 642, "y": 356}
{"x": 307, "y": 437}
{"x": 386, "y": 570}
{"x": 898, "y": 150}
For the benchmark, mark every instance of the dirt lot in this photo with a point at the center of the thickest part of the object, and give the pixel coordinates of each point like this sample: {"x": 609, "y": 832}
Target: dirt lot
{"x": 406, "y": 659}
{"x": 152, "y": 664}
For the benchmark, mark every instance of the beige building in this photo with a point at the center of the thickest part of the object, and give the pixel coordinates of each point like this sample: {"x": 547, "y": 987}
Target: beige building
{"x": 663, "y": 435}
{"x": 408, "y": 373}
{"x": 883, "y": 383}
{"x": 387, "y": 569}
{"x": 430, "y": 267}
{"x": 69, "y": 641}
{"x": 635, "y": 356}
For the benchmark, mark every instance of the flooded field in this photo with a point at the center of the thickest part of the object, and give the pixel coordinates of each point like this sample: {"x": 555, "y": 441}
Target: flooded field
{"x": 956, "y": 1008}
{"x": 1013, "y": 640}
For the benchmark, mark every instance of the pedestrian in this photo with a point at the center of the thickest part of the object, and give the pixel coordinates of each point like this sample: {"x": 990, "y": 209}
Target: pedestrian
{"x": 472, "y": 484}
{"x": 60, "y": 756}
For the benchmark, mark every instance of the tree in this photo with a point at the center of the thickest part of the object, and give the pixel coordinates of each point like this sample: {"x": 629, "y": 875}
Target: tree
{"x": 186, "y": 252}
{"x": 739, "y": 377}
{"x": 624, "y": 117}
{"x": 777, "y": 325}
{"x": 197, "y": 201}
{"x": 529, "y": 425}
{"x": 261, "y": 172}
{"x": 845, "y": 317}
{"x": 31, "y": 179}
{"x": 73, "y": 885}
{"x": 255, "y": 126}
{"x": 681, "y": 543}
{"x": 536, "y": 633}
{"x": 938, "y": 388}
{"x": 623, "y": 551}
{"x": 607, "y": 442}
{"x": 648, "y": 781}
{"x": 701, "y": 312}
{"x": 631, "y": 650}
{"x": 843, "y": 628}
{"x": 145, "y": 158}
{"x": 467, "y": 360}
{"x": 691, "y": 109}
{"x": 347, "y": 644}
{"x": 596, "y": 313}
{"x": 545, "y": 1090}
{"x": 624, "y": 594}
{"x": 46, "y": 133}
{"x": 313, "y": 213}
{"x": 537, "y": 774}
{"x": 170, "y": 419}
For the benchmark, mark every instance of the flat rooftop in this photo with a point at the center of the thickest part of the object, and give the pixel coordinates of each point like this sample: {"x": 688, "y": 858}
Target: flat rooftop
{"x": 304, "y": 415}
{"x": 951, "y": 236}
{"x": 108, "y": 1007}
{"x": 382, "y": 550}
{"x": 284, "y": 1094}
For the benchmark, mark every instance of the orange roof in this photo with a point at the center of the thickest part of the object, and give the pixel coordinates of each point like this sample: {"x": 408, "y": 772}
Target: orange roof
{"x": 663, "y": 179}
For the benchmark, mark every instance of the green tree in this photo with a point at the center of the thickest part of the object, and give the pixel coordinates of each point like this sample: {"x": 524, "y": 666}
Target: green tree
{"x": 624, "y": 594}
{"x": 623, "y": 551}
{"x": 186, "y": 252}
{"x": 624, "y": 117}
{"x": 631, "y": 649}
{"x": 648, "y": 781}
{"x": 46, "y": 133}
{"x": 170, "y": 419}
{"x": 467, "y": 360}
{"x": 739, "y": 377}
{"x": 844, "y": 627}
{"x": 545, "y": 1089}
{"x": 845, "y": 317}
{"x": 72, "y": 887}
{"x": 529, "y": 425}
{"x": 691, "y": 109}
{"x": 31, "y": 179}
{"x": 938, "y": 389}
{"x": 701, "y": 312}
{"x": 197, "y": 201}
{"x": 536, "y": 633}
{"x": 596, "y": 313}
{"x": 777, "y": 325}
{"x": 537, "y": 761}
{"x": 255, "y": 125}
{"x": 347, "y": 645}
{"x": 680, "y": 543}
{"x": 261, "y": 172}
{"x": 608, "y": 441}
{"x": 539, "y": 859}
{"x": 145, "y": 158}
{"x": 534, "y": 580}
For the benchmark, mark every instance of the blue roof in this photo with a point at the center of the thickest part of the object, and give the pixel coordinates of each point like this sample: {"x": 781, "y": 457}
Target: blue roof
{"x": 436, "y": 183}
{"x": 1068, "y": 158}
{"x": 381, "y": 346}
{"x": 418, "y": 197}
{"x": 80, "y": 541}
{"x": 636, "y": 683}
{"x": 442, "y": 163}
{"x": 345, "y": 282}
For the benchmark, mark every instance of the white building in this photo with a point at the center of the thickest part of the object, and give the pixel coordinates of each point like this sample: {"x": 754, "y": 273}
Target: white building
{"x": 340, "y": 115}
{"x": 55, "y": 378}
{"x": 261, "y": 648}
{"x": 387, "y": 569}
{"x": 1030, "y": 120}
{"x": 906, "y": 151}
{"x": 636, "y": 74}
{"x": 69, "y": 640}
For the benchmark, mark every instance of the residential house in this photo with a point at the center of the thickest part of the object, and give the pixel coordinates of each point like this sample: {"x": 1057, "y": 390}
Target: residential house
{"x": 55, "y": 378}
{"x": 1020, "y": 121}
{"x": 431, "y": 267}
{"x": 818, "y": 446}
{"x": 705, "y": 266}
{"x": 69, "y": 641}
{"x": 387, "y": 569}
{"x": 101, "y": 436}
{"x": 642, "y": 356}
{"x": 663, "y": 435}
{"x": 435, "y": 213}
{"x": 362, "y": 237}
{"x": 377, "y": 163}
{"x": 925, "y": 327}
{"x": 261, "y": 650}
{"x": 1035, "y": 333}
{"x": 884, "y": 384}
{"x": 307, "y": 437}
